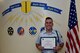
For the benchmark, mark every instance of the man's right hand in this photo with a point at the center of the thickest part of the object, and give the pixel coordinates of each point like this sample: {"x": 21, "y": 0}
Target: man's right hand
{"x": 39, "y": 47}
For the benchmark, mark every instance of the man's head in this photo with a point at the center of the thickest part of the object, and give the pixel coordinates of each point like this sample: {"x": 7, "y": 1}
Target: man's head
{"x": 48, "y": 23}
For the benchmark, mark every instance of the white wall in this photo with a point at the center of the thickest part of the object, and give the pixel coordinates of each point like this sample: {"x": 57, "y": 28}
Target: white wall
{"x": 78, "y": 14}
{"x": 16, "y": 18}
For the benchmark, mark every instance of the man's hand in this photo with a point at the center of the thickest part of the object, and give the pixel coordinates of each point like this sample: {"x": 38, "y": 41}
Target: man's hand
{"x": 59, "y": 47}
{"x": 39, "y": 47}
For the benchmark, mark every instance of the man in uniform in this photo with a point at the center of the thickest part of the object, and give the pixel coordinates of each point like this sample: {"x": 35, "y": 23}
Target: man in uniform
{"x": 49, "y": 32}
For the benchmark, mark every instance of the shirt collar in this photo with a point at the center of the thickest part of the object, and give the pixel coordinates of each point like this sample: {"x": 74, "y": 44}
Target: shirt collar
{"x": 50, "y": 32}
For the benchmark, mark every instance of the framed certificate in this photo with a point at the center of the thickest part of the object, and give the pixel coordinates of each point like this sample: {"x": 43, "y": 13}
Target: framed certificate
{"x": 48, "y": 42}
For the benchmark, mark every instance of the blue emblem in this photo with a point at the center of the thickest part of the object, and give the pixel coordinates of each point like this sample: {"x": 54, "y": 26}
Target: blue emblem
{"x": 42, "y": 28}
{"x": 20, "y": 31}
{"x": 32, "y": 30}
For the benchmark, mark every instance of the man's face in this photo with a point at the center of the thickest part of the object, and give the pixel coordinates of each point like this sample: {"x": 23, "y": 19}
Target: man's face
{"x": 48, "y": 24}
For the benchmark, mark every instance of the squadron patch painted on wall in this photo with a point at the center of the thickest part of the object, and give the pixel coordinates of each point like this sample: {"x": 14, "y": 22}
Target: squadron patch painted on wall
{"x": 20, "y": 30}
{"x": 10, "y": 31}
{"x": 32, "y": 30}
{"x": 42, "y": 28}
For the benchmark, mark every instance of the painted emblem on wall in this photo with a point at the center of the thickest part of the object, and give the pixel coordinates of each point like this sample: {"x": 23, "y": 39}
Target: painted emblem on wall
{"x": 20, "y": 30}
{"x": 32, "y": 30}
{"x": 10, "y": 31}
{"x": 28, "y": 15}
{"x": 42, "y": 28}
{"x": 26, "y": 7}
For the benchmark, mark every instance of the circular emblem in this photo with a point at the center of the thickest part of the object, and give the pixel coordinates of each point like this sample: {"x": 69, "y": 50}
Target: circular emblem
{"x": 42, "y": 28}
{"x": 32, "y": 30}
{"x": 10, "y": 31}
{"x": 20, "y": 31}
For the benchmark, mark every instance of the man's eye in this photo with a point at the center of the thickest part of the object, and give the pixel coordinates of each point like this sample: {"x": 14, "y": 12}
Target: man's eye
{"x": 48, "y": 22}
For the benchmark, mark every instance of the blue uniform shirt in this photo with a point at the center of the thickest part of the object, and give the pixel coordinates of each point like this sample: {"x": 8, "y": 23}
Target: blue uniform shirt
{"x": 54, "y": 33}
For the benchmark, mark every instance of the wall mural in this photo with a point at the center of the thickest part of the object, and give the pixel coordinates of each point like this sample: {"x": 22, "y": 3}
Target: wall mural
{"x": 27, "y": 14}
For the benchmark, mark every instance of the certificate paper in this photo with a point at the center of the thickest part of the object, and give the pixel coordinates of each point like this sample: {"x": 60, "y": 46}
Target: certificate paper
{"x": 48, "y": 43}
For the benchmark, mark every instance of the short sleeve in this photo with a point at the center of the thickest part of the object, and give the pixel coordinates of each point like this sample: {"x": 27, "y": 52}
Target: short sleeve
{"x": 38, "y": 40}
{"x": 60, "y": 39}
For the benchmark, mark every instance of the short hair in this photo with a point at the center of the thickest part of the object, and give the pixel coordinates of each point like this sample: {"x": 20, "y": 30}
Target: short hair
{"x": 49, "y": 18}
